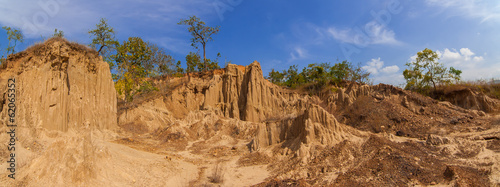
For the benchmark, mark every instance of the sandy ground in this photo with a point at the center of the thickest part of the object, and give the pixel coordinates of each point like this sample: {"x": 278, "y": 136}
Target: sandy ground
{"x": 90, "y": 159}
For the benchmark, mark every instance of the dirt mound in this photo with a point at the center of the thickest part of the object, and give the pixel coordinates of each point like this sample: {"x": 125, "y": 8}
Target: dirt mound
{"x": 60, "y": 86}
{"x": 384, "y": 108}
{"x": 469, "y": 99}
{"x": 386, "y": 161}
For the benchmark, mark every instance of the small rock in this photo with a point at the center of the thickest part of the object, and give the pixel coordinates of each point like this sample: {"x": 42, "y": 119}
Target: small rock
{"x": 400, "y": 133}
{"x": 436, "y": 140}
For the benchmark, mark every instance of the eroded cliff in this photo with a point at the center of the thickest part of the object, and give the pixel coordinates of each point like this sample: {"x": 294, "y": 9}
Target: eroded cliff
{"x": 59, "y": 86}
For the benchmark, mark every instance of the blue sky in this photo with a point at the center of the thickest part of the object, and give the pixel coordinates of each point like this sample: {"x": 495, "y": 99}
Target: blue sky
{"x": 381, "y": 35}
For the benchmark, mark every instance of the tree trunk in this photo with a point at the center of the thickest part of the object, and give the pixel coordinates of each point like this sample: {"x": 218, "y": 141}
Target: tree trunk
{"x": 204, "y": 57}
{"x": 434, "y": 84}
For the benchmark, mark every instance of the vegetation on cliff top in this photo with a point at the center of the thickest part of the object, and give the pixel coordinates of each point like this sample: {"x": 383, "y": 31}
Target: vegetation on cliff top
{"x": 133, "y": 61}
{"x": 319, "y": 75}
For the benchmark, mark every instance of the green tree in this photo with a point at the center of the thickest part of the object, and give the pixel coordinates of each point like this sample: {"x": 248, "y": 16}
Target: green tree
{"x": 192, "y": 62}
{"x": 293, "y": 77}
{"x": 178, "y": 69}
{"x": 426, "y": 71}
{"x": 455, "y": 74}
{"x": 14, "y": 36}
{"x": 358, "y": 74}
{"x": 320, "y": 75}
{"x": 211, "y": 64}
{"x": 200, "y": 33}
{"x": 136, "y": 61}
{"x": 347, "y": 71}
{"x": 317, "y": 75}
{"x": 59, "y": 34}
{"x": 104, "y": 41}
{"x": 340, "y": 71}
{"x": 276, "y": 77}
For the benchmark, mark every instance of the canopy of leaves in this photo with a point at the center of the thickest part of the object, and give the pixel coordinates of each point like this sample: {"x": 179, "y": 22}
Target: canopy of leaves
{"x": 136, "y": 61}
{"x": 211, "y": 64}
{"x": 426, "y": 72}
{"x": 319, "y": 75}
{"x": 193, "y": 63}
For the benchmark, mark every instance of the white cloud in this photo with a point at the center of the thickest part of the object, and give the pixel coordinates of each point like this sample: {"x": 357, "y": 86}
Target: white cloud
{"x": 396, "y": 79}
{"x": 342, "y": 35}
{"x": 372, "y": 33}
{"x": 307, "y": 34}
{"x": 298, "y": 53}
{"x": 478, "y": 58}
{"x": 75, "y": 18}
{"x": 464, "y": 58}
{"x": 381, "y": 74}
{"x": 472, "y": 66}
{"x": 176, "y": 45}
{"x": 374, "y": 66}
{"x": 467, "y": 53}
{"x": 479, "y": 9}
{"x": 390, "y": 69}
{"x": 449, "y": 55}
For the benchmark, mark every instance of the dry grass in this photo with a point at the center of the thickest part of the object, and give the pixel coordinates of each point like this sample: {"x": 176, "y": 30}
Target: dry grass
{"x": 35, "y": 48}
{"x": 40, "y": 48}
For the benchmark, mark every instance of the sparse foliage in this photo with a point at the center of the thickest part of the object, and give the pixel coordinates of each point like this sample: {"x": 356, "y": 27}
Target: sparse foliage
{"x": 104, "y": 41}
{"x": 201, "y": 34}
{"x": 162, "y": 64}
{"x": 58, "y": 33}
{"x": 426, "y": 71}
{"x": 14, "y": 36}
{"x": 217, "y": 174}
{"x": 178, "y": 69}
